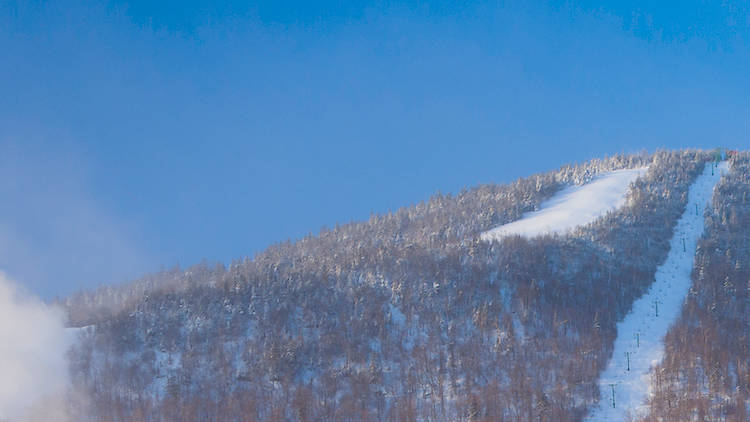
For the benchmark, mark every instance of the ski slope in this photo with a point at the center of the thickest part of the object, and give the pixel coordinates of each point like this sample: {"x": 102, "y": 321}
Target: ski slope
{"x": 573, "y": 206}
{"x": 640, "y": 334}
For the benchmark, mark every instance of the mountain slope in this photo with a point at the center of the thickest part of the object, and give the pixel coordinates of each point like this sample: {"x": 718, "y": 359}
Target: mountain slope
{"x": 639, "y": 343}
{"x": 573, "y": 206}
{"x": 705, "y": 374}
{"x": 409, "y": 316}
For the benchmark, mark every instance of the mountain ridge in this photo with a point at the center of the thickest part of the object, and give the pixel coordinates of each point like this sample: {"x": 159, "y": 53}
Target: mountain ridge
{"x": 408, "y": 316}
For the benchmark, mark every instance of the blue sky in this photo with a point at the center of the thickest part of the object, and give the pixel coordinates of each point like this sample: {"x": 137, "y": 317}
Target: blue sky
{"x": 135, "y": 135}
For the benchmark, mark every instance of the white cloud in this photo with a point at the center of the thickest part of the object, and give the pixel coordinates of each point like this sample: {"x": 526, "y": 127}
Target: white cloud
{"x": 33, "y": 366}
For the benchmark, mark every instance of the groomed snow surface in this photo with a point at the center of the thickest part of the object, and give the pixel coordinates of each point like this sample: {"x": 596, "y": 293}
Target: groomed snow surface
{"x": 640, "y": 335}
{"x": 573, "y": 206}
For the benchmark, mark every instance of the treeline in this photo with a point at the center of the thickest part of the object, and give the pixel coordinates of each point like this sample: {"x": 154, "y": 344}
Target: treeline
{"x": 705, "y": 375}
{"x": 405, "y": 317}
{"x": 433, "y": 224}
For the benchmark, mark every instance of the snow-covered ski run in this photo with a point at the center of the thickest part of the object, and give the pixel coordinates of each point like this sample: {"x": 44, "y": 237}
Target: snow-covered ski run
{"x": 625, "y": 383}
{"x": 573, "y": 206}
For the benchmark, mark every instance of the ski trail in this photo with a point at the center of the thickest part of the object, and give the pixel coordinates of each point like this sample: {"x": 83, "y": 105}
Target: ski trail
{"x": 639, "y": 342}
{"x": 573, "y": 206}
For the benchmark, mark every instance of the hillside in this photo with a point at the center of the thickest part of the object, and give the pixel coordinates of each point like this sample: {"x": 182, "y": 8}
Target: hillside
{"x": 411, "y": 315}
{"x": 639, "y": 343}
{"x": 705, "y": 374}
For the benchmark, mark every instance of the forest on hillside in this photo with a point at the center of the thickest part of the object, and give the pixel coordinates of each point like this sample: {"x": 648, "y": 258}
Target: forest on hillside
{"x": 407, "y": 316}
{"x": 705, "y": 375}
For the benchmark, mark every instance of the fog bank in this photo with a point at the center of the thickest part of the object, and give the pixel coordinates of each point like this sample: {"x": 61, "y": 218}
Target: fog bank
{"x": 33, "y": 365}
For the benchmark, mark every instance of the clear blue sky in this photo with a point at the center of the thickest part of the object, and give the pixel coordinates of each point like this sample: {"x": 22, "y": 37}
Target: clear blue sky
{"x": 138, "y": 134}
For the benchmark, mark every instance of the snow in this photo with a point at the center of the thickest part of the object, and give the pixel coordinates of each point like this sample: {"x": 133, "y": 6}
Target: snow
{"x": 397, "y": 316}
{"x": 73, "y": 334}
{"x": 573, "y": 206}
{"x": 671, "y": 285}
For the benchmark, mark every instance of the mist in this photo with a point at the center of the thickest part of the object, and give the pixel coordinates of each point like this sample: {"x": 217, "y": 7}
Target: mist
{"x": 56, "y": 235}
{"x": 34, "y": 381}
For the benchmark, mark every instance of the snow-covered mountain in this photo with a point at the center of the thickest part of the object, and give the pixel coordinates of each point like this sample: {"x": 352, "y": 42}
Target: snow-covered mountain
{"x": 573, "y": 206}
{"x": 504, "y": 302}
